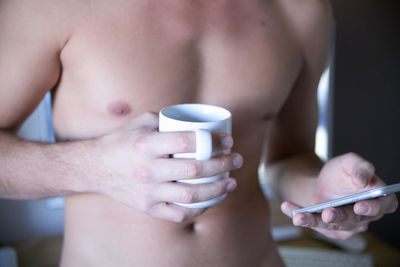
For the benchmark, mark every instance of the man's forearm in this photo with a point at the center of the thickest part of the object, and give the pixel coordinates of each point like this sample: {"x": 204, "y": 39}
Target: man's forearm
{"x": 30, "y": 170}
{"x": 294, "y": 178}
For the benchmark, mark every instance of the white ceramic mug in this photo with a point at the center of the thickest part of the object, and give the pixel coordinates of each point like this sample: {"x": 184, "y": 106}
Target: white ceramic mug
{"x": 203, "y": 120}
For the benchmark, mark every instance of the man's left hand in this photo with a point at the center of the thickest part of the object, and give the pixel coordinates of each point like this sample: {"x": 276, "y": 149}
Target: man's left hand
{"x": 341, "y": 176}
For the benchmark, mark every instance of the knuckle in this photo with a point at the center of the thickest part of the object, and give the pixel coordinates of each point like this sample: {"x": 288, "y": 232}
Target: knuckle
{"x": 141, "y": 143}
{"x": 142, "y": 173}
{"x": 189, "y": 196}
{"x": 179, "y": 217}
{"x": 193, "y": 169}
{"x": 182, "y": 141}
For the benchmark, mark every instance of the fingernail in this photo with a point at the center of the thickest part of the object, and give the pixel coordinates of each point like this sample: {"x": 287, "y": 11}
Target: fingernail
{"x": 227, "y": 141}
{"x": 230, "y": 186}
{"x": 364, "y": 174}
{"x": 364, "y": 209}
{"x": 364, "y": 177}
{"x": 237, "y": 161}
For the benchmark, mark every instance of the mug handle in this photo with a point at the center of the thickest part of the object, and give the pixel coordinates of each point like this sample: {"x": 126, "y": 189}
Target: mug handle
{"x": 203, "y": 144}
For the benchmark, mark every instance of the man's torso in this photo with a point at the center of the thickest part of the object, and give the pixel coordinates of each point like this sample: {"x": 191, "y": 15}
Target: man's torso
{"x": 129, "y": 57}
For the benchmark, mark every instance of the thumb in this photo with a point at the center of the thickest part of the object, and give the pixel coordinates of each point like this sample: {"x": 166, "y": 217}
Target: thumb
{"x": 147, "y": 120}
{"x": 360, "y": 170}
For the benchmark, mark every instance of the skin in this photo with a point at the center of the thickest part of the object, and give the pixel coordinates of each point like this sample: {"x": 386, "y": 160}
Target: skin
{"x": 113, "y": 67}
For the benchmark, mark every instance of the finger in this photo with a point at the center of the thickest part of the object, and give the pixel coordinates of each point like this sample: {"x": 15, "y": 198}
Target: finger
{"x": 308, "y": 220}
{"x": 362, "y": 174}
{"x": 316, "y": 222}
{"x": 329, "y": 218}
{"x": 342, "y": 221}
{"x": 180, "y": 169}
{"x": 331, "y": 215}
{"x": 376, "y": 207}
{"x": 343, "y": 215}
{"x": 148, "y": 120}
{"x": 166, "y": 143}
{"x": 192, "y": 193}
{"x": 288, "y": 207}
{"x": 360, "y": 170}
{"x": 342, "y": 218}
{"x": 172, "y": 212}
{"x": 340, "y": 215}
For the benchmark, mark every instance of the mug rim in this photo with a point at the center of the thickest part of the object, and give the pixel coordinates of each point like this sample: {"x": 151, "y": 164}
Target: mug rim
{"x": 223, "y": 113}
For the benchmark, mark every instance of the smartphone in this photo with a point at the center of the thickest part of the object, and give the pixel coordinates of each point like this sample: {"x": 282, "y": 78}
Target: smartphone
{"x": 373, "y": 193}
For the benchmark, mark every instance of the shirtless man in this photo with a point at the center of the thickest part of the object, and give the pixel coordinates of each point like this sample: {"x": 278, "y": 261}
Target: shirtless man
{"x": 109, "y": 63}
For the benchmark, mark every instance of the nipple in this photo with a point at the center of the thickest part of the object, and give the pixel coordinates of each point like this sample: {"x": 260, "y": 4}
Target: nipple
{"x": 119, "y": 108}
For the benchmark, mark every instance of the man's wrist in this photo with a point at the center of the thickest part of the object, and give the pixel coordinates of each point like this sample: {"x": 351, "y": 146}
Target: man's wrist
{"x": 295, "y": 178}
{"x": 78, "y": 164}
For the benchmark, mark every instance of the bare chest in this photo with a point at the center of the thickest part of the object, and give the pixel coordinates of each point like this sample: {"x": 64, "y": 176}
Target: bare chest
{"x": 119, "y": 64}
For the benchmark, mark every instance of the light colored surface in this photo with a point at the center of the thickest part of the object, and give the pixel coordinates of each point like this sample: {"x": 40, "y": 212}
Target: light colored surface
{"x": 316, "y": 257}
{"x": 285, "y": 232}
{"x": 203, "y": 144}
{"x": 355, "y": 244}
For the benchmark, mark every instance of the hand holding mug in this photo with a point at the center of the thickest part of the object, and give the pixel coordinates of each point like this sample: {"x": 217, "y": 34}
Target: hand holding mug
{"x": 203, "y": 120}
{"x": 133, "y": 167}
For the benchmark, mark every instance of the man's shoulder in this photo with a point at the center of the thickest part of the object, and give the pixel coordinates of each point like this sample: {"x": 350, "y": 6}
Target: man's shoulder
{"x": 300, "y": 8}
{"x": 311, "y": 21}
{"x": 309, "y": 18}
{"x": 32, "y": 35}
{"x": 47, "y": 18}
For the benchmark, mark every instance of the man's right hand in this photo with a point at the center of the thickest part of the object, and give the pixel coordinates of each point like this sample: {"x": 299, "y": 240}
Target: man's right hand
{"x": 135, "y": 168}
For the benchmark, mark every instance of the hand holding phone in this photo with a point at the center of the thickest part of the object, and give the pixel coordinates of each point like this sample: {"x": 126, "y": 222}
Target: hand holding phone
{"x": 373, "y": 193}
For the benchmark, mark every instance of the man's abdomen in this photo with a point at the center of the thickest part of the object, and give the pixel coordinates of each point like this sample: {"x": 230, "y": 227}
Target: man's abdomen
{"x": 102, "y": 232}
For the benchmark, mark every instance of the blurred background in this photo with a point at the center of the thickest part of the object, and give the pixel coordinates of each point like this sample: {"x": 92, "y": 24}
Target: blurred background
{"x": 366, "y": 100}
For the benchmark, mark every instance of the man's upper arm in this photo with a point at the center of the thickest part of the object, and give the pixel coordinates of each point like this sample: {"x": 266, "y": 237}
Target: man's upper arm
{"x": 293, "y": 130}
{"x": 29, "y": 58}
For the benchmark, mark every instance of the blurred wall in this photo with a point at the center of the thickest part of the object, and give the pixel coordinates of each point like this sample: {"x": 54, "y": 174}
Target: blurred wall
{"x": 367, "y": 91}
